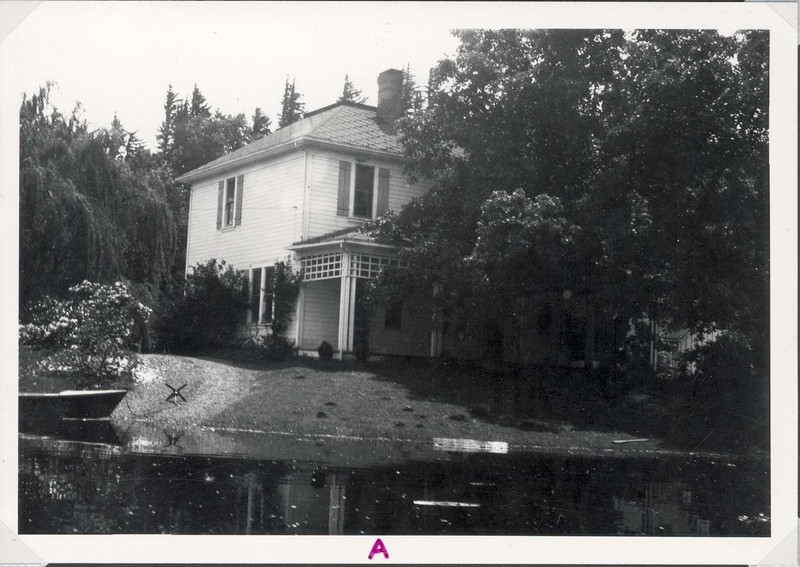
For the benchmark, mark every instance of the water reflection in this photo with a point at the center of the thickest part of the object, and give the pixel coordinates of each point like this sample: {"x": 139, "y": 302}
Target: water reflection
{"x": 70, "y": 487}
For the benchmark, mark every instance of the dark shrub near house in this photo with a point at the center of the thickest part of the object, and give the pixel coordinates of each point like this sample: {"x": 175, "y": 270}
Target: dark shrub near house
{"x": 325, "y": 351}
{"x": 205, "y": 313}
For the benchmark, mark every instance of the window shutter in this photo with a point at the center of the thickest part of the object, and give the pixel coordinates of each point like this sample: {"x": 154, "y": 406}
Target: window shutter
{"x": 343, "y": 203}
{"x": 237, "y": 220}
{"x": 383, "y": 191}
{"x": 220, "y": 197}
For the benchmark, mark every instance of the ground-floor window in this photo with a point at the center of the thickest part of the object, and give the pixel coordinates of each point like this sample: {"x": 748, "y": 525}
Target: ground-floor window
{"x": 262, "y": 291}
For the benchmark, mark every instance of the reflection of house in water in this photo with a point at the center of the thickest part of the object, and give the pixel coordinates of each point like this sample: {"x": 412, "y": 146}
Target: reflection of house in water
{"x": 659, "y": 509}
{"x": 68, "y": 488}
{"x": 312, "y": 501}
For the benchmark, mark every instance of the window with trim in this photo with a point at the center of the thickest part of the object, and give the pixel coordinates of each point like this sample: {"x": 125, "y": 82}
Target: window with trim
{"x": 363, "y": 190}
{"x": 229, "y": 202}
{"x": 262, "y": 291}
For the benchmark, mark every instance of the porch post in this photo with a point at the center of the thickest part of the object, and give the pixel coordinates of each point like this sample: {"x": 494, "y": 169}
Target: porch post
{"x": 346, "y": 312}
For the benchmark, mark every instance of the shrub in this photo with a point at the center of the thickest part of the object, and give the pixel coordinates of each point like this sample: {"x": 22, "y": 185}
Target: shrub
{"x": 325, "y": 351}
{"x": 276, "y": 347}
{"x": 287, "y": 287}
{"x": 205, "y": 312}
{"x": 93, "y": 326}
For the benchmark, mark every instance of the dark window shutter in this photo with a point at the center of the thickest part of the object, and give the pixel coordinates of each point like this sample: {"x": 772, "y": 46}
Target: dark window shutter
{"x": 343, "y": 203}
{"x": 239, "y": 194}
{"x": 220, "y": 197}
{"x": 383, "y": 191}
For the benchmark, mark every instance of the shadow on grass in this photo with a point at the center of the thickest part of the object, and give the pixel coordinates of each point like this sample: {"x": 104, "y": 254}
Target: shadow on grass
{"x": 547, "y": 399}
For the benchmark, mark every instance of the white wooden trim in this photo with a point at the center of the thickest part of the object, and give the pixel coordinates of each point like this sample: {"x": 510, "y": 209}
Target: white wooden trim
{"x": 299, "y": 309}
{"x": 261, "y": 293}
{"x": 306, "y": 196}
{"x": 351, "y": 314}
{"x": 188, "y": 233}
{"x": 345, "y": 326}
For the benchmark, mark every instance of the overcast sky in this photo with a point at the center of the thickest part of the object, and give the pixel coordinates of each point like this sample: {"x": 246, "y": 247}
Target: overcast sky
{"x": 121, "y": 57}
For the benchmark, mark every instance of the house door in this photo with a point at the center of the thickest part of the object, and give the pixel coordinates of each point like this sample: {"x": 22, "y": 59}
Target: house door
{"x": 360, "y": 322}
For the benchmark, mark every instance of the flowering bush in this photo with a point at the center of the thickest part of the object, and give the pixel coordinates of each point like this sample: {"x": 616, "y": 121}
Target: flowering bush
{"x": 93, "y": 327}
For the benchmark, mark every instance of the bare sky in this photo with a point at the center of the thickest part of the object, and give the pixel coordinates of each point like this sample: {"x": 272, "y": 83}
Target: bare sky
{"x": 121, "y": 57}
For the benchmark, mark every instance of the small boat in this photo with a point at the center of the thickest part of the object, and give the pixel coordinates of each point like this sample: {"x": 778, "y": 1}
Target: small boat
{"x": 73, "y": 404}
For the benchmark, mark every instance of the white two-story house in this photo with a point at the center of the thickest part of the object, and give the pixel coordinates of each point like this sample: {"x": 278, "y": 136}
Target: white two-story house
{"x": 302, "y": 192}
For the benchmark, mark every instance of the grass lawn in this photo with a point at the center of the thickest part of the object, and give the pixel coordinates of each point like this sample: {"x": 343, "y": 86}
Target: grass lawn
{"x": 396, "y": 400}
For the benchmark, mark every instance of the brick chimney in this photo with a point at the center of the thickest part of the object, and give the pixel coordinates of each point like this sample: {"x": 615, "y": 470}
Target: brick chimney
{"x": 390, "y": 88}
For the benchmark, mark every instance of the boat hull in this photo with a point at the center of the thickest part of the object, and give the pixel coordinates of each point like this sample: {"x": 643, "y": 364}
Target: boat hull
{"x": 74, "y": 404}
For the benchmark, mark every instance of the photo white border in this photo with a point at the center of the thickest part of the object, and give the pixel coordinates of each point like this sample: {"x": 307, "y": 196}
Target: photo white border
{"x": 490, "y": 549}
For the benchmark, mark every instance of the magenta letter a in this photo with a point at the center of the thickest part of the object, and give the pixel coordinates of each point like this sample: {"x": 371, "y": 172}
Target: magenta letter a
{"x": 378, "y": 547}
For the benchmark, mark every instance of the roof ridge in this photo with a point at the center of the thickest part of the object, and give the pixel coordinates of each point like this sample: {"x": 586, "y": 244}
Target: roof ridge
{"x": 332, "y": 112}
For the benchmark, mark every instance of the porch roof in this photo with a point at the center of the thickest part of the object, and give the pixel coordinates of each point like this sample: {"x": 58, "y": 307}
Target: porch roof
{"x": 342, "y": 236}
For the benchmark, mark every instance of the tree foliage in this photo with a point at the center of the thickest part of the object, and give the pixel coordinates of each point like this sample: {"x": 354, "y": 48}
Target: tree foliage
{"x": 261, "y": 124}
{"x": 93, "y": 204}
{"x": 411, "y": 98}
{"x": 350, "y": 93}
{"x": 94, "y": 325}
{"x": 291, "y": 106}
{"x": 632, "y": 166}
{"x": 205, "y": 312}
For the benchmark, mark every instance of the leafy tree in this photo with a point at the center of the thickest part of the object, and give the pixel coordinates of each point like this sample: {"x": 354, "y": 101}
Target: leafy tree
{"x": 89, "y": 207}
{"x": 261, "y": 124}
{"x": 350, "y": 93}
{"x": 291, "y": 107}
{"x": 650, "y": 148}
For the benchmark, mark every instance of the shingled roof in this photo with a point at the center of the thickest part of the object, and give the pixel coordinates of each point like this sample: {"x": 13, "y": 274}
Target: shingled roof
{"x": 341, "y": 124}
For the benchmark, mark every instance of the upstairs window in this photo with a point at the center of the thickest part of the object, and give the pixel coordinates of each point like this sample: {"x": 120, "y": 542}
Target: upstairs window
{"x": 364, "y": 190}
{"x": 230, "y": 199}
{"x": 362, "y": 193}
{"x": 229, "y": 202}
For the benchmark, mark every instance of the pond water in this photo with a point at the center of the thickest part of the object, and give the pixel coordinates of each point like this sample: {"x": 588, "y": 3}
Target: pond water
{"x": 150, "y": 480}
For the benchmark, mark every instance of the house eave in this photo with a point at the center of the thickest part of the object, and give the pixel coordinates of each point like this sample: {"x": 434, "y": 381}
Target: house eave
{"x": 299, "y": 144}
{"x": 338, "y": 243}
{"x": 267, "y": 153}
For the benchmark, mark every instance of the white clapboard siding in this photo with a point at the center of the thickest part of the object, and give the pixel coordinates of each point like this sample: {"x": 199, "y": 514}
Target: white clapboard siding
{"x": 320, "y": 313}
{"x": 323, "y": 191}
{"x": 414, "y": 339}
{"x": 272, "y": 216}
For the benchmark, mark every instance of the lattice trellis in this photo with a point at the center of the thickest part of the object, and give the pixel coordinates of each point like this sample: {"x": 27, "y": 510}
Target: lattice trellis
{"x": 321, "y": 266}
{"x": 364, "y": 265}
{"x": 329, "y": 265}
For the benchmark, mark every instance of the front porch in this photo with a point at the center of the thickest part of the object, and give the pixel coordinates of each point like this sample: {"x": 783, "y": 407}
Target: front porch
{"x": 329, "y": 307}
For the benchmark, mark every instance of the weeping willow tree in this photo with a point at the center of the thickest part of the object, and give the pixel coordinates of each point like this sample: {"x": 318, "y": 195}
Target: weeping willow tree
{"x": 93, "y": 204}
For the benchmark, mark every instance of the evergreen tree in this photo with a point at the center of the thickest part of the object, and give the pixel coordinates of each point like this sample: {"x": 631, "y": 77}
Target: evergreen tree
{"x": 350, "y": 93}
{"x": 261, "y": 124}
{"x": 291, "y": 107}
{"x": 199, "y": 106}
{"x": 166, "y": 133}
{"x": 410, "y": 96}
